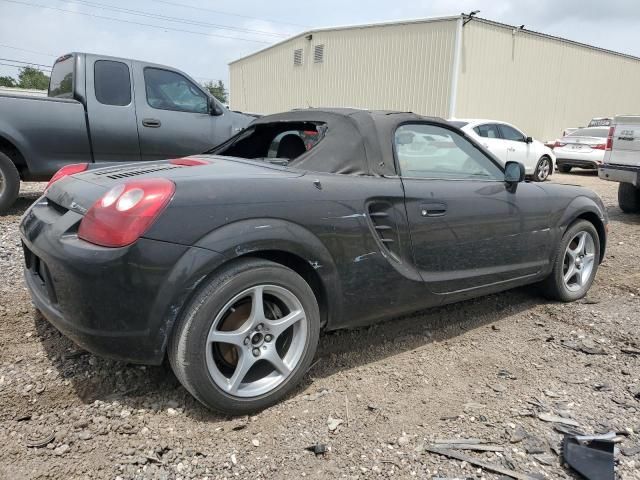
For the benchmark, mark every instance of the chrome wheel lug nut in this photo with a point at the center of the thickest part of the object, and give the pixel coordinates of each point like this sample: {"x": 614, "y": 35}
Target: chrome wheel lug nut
{"x": 259, "y": 327}
{"x": 256, "y": 352}
{"x": 246, "y": 341}
{"x": 268, "y": 338}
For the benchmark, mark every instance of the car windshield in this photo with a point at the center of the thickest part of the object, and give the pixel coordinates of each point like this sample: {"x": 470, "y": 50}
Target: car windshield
{"x": 590, "y": 132}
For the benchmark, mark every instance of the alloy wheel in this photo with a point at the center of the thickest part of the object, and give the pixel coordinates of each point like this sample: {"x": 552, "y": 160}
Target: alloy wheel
{"x": 256, "y": 341}
{"x": 544, "y": 167}
{"x": 579, "y": 260}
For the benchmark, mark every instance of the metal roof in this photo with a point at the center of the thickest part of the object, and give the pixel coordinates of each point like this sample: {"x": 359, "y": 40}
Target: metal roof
{"x": 437, "y": 19}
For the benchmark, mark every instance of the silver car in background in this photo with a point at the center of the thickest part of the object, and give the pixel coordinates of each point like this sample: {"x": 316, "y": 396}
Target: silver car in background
{"x": 582, "y": 148}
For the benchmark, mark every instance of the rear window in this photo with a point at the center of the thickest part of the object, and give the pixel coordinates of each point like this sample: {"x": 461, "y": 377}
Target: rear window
{"x": 61, "y": 82}
{"x": 280, "y": 142}
{"x": 112, "y": 83}
{"x": 590, "y": 132}
{"x": 600, "y": 122}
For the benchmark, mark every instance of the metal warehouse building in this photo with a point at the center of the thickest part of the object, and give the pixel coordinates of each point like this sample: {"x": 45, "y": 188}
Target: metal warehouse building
{"x": 449, "y": 67}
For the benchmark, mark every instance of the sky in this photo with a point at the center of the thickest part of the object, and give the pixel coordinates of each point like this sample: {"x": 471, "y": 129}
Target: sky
{"x": 201, "y": 37}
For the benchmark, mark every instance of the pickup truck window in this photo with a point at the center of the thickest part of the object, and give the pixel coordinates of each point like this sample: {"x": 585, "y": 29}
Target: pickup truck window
{"x": 168, "y": 90}
{"x": 61, "y": 82}
{"x": 112, "y": 83}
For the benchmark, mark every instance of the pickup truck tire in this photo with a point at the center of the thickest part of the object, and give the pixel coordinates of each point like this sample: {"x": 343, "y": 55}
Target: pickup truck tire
{"x": 629, "y": 198}
{"x": 576, "y": 263}
{"x": 9, "y": 183}
{"x": 564, "y": 168}
{"x": 247, "y": 337}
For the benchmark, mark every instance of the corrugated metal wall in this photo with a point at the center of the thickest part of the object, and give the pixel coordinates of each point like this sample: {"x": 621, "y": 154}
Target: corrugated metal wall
{"x": 541, "y": 84}
{"x": 399, "y": 67}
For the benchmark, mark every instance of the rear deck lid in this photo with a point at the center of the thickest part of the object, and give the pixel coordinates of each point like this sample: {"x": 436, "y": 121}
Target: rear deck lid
{"x": 78, "y": 192}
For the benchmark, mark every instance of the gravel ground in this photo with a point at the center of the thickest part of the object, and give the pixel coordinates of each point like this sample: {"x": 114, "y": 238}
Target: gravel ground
{"x": 377, "y": 398}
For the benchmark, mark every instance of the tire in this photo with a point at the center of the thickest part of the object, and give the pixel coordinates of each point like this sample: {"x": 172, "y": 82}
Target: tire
{"x": 564, "y": 168}
{"x": 207, "y": 370}
{"x": 9, "y": 183}
{"x": 555, "y": 286}
{"x": 629, "y": 198}
{"x": 543, "y": 169}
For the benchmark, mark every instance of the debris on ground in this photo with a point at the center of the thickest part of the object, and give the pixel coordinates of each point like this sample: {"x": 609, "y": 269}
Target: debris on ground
{"x": 481, "y": 464}
{"x": 318, "y": 448}
{"x": 592, "y": 458}
{"x": 334, "y": 423}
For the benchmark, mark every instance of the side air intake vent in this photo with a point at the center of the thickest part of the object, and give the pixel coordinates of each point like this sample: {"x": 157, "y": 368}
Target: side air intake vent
{"x": 384, "y": 226}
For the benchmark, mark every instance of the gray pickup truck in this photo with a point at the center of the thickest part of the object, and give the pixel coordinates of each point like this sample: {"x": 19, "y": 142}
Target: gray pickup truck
{"x": 104, "y": 109}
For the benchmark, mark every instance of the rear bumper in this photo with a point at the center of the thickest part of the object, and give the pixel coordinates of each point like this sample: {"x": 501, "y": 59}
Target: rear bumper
{"x": 576, "y": 162}
{"x": 115, "y": 302}
{"x": 620, "y": 173}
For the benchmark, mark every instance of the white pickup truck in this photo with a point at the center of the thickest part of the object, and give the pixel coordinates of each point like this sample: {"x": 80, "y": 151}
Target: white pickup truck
{"x": 622, "y": 160}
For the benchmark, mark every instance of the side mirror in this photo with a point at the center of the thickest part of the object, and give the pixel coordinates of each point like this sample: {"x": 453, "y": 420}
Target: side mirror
{"x": 528, "y": 140}
{"x": 214, "y": 109}
{"x": 513, "y": 175}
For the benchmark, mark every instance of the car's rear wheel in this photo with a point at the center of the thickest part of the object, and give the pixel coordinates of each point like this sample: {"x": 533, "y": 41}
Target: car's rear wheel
{"x": 9, "y": 183}
{"x": 629, "y": 198}
{"x": 564, "y": 168}
{"x": 576, "y": 263}
{"x": 543, "y": 169}
{"x": 247, "y": 337}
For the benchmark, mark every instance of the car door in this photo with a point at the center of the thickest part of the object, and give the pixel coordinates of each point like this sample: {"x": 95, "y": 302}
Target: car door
{"x": 491, "y": 139}
{"x": 468, "y": 231}
{"x": 111, "y": 110}
{"x": 173, "y": 115}
{"x": 518, "y": 150}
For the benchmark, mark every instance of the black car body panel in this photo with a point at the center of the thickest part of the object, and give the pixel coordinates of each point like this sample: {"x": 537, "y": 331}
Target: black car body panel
{"x": 371, "y": 243}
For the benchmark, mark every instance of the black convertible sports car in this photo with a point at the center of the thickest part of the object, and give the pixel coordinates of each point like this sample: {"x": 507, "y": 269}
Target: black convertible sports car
{"x": 232, "y": 262}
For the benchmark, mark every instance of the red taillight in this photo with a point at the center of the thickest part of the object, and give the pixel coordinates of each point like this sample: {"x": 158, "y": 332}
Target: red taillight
{"x": 599, "y": 146}
{"x": 125, "y": 212}
{"x": 609, "y": 144}
{"x": 188, "y": 162}
{"x": 558, "y": 144}
{"x": 66, "y": 171}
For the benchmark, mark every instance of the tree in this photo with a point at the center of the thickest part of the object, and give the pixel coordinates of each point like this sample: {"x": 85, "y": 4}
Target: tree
{"x": 30, "y": 77}
{"x": 217, "y": 90}
{"x": 7, "y": 82}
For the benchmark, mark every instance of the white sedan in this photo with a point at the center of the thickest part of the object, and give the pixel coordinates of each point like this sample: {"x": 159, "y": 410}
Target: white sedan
{"x": 508, "y": 143}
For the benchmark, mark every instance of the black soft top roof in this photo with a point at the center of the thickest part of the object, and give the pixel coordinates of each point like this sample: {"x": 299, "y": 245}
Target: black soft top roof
{"x": 357, "y": 142}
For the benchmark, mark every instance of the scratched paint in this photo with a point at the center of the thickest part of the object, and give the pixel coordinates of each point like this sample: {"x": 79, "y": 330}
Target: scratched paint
{"x": 363, "y": 257}
{"x": 355, "y": 215}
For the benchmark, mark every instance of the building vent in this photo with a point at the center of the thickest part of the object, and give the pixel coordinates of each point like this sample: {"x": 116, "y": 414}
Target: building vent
{"x": 297, "y": 56}
{"x": 318, "y": 54}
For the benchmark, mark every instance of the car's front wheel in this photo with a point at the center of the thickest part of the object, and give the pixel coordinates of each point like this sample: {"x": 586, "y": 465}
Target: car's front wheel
{"x": 576, "y": 263}
{"x": 247, "y": 337}
{"x": 543, "y": 169}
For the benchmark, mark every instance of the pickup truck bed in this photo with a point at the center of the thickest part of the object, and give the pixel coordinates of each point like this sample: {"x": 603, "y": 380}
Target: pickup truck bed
{"x": 622, "y": 161}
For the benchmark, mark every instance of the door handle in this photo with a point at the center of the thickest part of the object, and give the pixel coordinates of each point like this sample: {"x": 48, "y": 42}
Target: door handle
{"x": 151, "y": 123}
{"x": 433, "y": 209}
